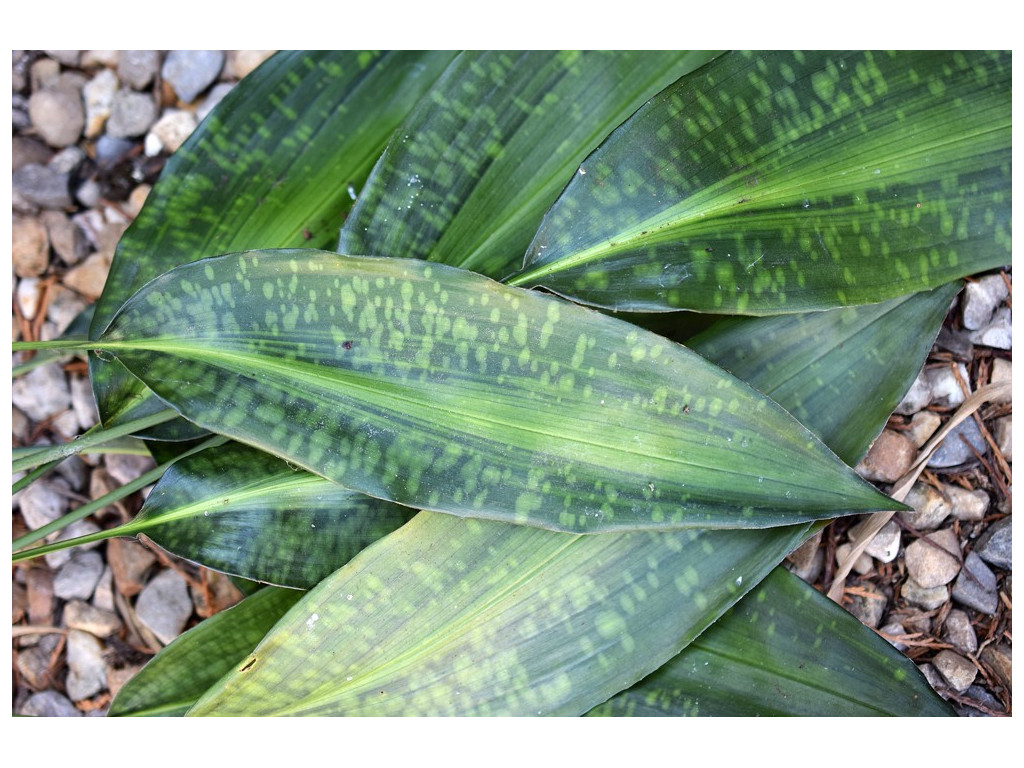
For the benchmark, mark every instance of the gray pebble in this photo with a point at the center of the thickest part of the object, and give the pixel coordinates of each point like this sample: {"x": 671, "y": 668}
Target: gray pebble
{"x": 41, "y": 185}
{"x": 67, "y": 58}
{"x": 979, "y": 592}
{"x": 170, "y": 132}
{"x": 945, "y": 386}
{"x": 192, "y": 72}
{"x": 996, "y": 545}
{"x": 63, "y": 307}
{"x": 930, "y": 505}
{"x": 958, "y": 631}
{"x": 78, "y": 528}
{"x": 57, "y": 115}
{"x": 1002, "y": 433}
{"x": 138, "y": 68}
{"x": 34, "y": 666}
{"x": 999, "y": 659}
{"x": 42, "y": 392}
{"x": 67, "y": 160}
{"x": 25, "y": 150}
{"x": 43, "y": 502}
{"x": 928, "y": 598}
{"x": 67, "y": 240}
{"x": 933, "y": 561}
{"x": 869, "y": 610}
{"x": 127, "y": 467}
{"x": 74, "y": 471}
{"x": 984, "y": 698}
{"x": 99, "y": 101}
{"x": 164, "y": 605}
{"x": 889, "y": 457}
{"x": 20, "y": 121}
{"x": 918, "y": 396}
{"x": 131, "y": 115}
{"x": 893, "y": 630}
{"x": 87, "y": 669}
{"x": 218, "y": 92}
{"x": 957, "y": 671}
{"x": 48, "y": 704}
{"x": 89, "y": 193}
{"x": 111, "y": 149}
{"x": 955, "y": 340}
{"x": 935, "y": 680}
{"x": 83, "y": 403}
{"x": 969, "y": 506}
{"x": 79, "y": 614}
{"x": 103, "y": 595}
{"x": 954, "y": 451}
{"x": 27, "y": 295}
{"x": 998, "y": 333}
{"x": 980, "y": 300}
{"x": 30, "y": 246}
{"x": 922, "y": 426}
{"x": 77, "y": 578}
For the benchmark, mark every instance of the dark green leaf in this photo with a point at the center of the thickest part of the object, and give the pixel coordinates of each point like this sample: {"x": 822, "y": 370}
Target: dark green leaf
{"x": 784, "y": 649}
{"x": 177, "y": 676}
{"x": 471, "y": 171}
{"x": 783, "y": 182}
{"x": 437, "y": 388}
{"x": 276, "y": 164}
{"x": 238, "y": 510}
{"x": 804, "y": 362}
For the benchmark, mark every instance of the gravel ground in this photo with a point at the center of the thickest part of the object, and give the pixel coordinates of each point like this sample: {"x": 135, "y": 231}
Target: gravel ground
{"x": 91, "y": 131}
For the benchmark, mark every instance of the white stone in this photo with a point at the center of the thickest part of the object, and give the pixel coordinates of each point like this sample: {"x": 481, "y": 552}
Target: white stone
{"x": 946, "y": 390}
{"x": 170, "y": 131}
{"x": 164, "y": 605}
{"x": 99, "y": 100}
{"x": 918, "y": 396}
{"x": 42, "y": 392}
{"x": 87, "y": 669}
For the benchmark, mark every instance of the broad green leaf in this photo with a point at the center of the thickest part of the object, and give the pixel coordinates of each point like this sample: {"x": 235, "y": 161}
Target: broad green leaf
{"x": 783, "y": 182}
{"x": 458, "y": 617}
{"x": 784, "y": 649}
{"x": 276, "y": 164}
{"x": 802, "y": 362}
{"x": 176, "y": 677}
{"x": 241, "y": 511}
{"x": 440, "y": 389}
{"x": 469, "y": 174}
{"x": 531, "y": 667}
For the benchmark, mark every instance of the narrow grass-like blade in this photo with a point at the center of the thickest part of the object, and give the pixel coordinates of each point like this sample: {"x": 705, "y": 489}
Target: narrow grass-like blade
{"x": 622, "y": 571}
{"x": 244, "y": 512}
{"x": 440, "y": 389}
{"x": 176, "y": 677}
{"x": 782, "y": 182}
{"x": 469, "y": 174}
{"x": 277, "y": 163}
{"x": 784, "y": 649}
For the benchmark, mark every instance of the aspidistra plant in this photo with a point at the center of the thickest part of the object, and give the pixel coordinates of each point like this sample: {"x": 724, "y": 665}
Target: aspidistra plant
{"x": 592, "y": 495}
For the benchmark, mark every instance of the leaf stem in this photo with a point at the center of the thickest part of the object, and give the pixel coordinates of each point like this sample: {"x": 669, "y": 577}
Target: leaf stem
{"x": 95, "y": 436}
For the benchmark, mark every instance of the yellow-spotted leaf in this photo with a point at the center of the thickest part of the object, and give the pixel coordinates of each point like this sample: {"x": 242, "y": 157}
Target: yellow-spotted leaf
{"x": 440, "y": 389}
{"x": 776, "y": 182}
